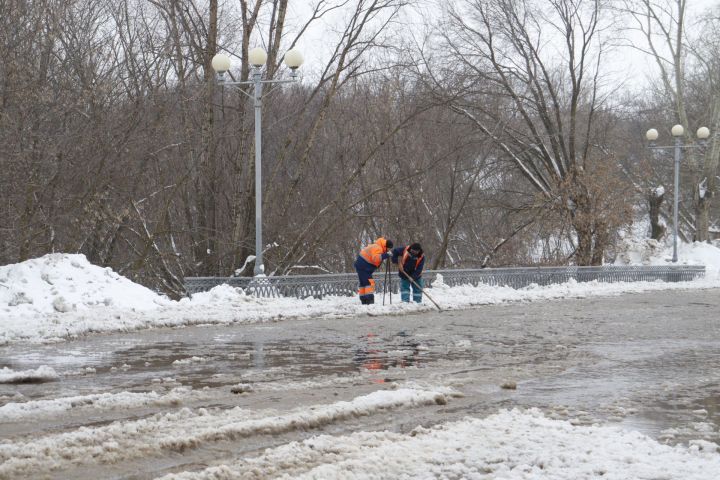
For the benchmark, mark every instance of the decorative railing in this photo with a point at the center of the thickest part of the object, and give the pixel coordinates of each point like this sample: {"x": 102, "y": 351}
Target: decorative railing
{"x": 318, "y": 286}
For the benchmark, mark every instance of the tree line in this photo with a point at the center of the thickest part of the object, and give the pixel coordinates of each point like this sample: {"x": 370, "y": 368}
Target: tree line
{"x": 495, "y": 133}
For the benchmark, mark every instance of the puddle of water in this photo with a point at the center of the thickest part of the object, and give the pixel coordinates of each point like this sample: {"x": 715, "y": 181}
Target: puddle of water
{"x": 679, "y": 421}
{"x": 659, "y": 388}
{"x": 230, "y": 359}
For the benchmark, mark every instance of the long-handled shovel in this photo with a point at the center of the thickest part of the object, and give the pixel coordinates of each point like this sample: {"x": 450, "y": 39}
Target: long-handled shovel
{"x": 422, "y": 290}
{"x": 385, "y": 283}
{"x": 389, "y": 278}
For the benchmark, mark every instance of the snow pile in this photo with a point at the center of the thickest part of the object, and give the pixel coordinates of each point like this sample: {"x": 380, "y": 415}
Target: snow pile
{"x": 508, "y": 445}
{"x": 66, "y": 283}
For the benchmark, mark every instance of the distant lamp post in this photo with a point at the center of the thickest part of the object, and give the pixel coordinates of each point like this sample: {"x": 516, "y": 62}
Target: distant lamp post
{"x": 257, "y": 58}
{"x": 677, "y": 131}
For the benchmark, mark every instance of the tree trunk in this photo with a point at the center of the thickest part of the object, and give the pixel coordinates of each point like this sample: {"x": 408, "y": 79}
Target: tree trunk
{"x": 705, "y": 189}
{"x": 211, "y": 194}
{"x": 600, "y": 244}
{"x": 702, "y": 217}
{"x": 583, "y": 254}
{"x": 655, "y": 202}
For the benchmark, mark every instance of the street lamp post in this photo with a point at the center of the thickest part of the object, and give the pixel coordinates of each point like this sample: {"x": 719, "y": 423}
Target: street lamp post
{"x": 257, "y": 58}
{"x": 677, "y": 131}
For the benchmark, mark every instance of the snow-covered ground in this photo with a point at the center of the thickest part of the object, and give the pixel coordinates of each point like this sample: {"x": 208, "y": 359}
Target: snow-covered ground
{"x": 61, "y": 296}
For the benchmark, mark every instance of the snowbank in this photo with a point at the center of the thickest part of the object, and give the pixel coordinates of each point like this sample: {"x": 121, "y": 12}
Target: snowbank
{"x": 65, "y": 283}
{"x": 60, "y": 296}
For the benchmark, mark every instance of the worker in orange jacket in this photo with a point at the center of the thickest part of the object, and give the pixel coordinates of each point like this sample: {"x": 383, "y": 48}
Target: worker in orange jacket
{"x": 366, "y": 263}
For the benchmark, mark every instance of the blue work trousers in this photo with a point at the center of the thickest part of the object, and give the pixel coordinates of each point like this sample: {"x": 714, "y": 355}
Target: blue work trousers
{"x": 406, "y": 285}
{"x": 367, "y": 284}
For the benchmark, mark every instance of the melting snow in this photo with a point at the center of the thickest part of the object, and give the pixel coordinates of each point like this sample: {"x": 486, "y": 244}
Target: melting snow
{"x": 512, "y": 445}
{"x": 32, "y": 410}
{"x": 62, "y": 296}
{"x": 188, "y": 428}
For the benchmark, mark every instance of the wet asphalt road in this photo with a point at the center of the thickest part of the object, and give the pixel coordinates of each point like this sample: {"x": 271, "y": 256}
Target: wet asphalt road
{"x": 650, "y": 362}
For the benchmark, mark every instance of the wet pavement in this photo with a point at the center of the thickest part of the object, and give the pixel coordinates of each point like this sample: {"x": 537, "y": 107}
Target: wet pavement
{"x": 648, "y": 362}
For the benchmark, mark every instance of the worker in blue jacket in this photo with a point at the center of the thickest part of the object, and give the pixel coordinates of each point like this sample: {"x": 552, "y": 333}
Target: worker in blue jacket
{"x": 410, "y": 261}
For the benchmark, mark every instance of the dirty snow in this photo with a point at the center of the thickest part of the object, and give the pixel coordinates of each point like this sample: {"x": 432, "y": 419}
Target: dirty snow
{"x": 190, "y": 428}
{"x": 511, "y": 444}
{"x": 35, "y": 409}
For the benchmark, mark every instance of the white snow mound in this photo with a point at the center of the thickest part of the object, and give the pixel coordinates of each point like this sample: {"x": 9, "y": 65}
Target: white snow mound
{"x": 61, "y": 282}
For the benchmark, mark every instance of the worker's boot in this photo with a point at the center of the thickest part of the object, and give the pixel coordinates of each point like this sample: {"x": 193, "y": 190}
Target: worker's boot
{"x": 367, "y": 299}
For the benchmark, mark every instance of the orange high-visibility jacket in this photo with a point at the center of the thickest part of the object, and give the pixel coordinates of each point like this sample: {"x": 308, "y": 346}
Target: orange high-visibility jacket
{"x": 373, "y": 252}
{"x": 406, "y": 255}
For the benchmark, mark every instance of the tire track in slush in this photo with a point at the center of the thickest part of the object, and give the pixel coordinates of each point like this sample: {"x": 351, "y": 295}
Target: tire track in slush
{"x": 189, "y": 429}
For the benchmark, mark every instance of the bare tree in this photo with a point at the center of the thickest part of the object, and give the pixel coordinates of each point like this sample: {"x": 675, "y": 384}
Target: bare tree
{"x": 117, "y": 143}
{"x": 663, "y": 24}
{"x": 531, "y": 83}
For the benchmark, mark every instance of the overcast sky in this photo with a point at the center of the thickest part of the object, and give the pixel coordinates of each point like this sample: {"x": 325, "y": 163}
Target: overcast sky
{"x": 625, "y": 64}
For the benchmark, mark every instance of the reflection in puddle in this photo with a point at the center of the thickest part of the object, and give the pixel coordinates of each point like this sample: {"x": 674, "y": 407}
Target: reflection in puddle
{"x": 260, "y": 361}
{"x": 374, "y": 356}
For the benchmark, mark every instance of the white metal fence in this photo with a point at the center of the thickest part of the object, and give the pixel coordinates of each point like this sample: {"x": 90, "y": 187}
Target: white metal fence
{"x": 318, "y": 286}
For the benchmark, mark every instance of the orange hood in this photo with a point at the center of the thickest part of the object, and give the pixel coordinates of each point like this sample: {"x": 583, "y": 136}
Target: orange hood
{"x": 382, "y": 242}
